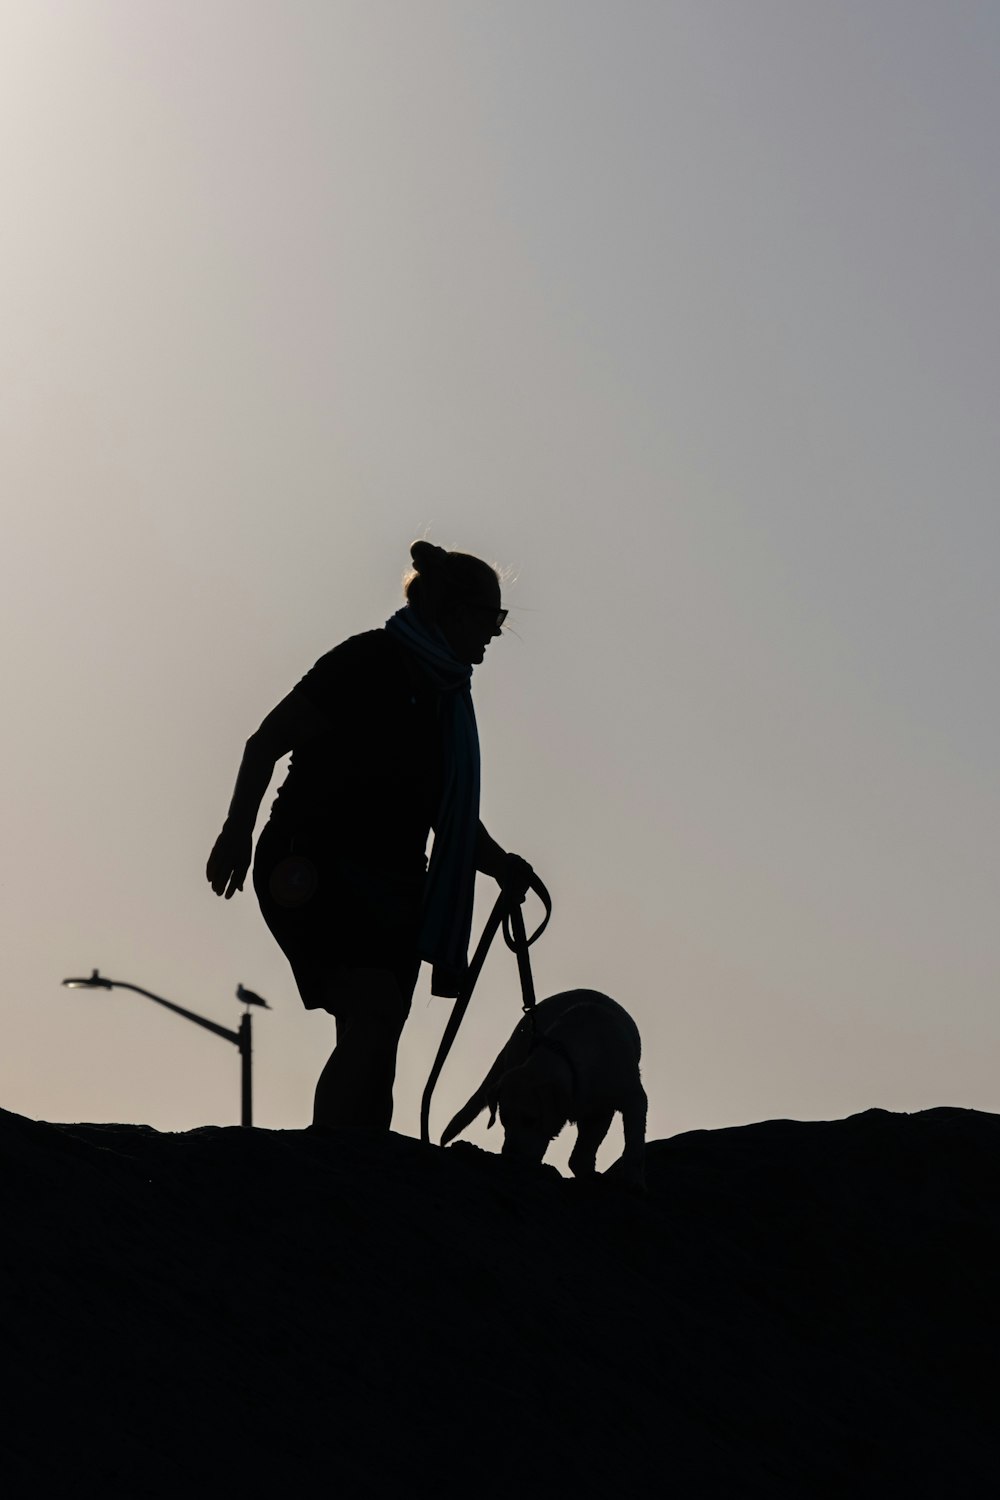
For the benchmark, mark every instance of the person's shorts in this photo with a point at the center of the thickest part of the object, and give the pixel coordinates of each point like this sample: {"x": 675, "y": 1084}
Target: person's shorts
{"x": 325, "y": 911}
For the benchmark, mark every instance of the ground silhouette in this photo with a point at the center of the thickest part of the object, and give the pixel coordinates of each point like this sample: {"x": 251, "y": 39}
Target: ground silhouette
{"x": 793, "y": 1309}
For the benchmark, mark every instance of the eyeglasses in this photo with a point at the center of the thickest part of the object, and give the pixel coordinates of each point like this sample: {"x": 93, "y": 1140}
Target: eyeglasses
{"x": 498, "y": 614}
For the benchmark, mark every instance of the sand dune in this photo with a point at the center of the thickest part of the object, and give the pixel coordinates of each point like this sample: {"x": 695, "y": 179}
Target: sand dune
{"x": 792, "y": 1310}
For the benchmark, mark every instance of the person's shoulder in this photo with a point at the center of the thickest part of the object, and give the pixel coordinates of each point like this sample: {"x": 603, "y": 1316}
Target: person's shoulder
{"x": 361, "y": 658}
{"x": 371, "y": 643}
{"x": 368, "y": 649}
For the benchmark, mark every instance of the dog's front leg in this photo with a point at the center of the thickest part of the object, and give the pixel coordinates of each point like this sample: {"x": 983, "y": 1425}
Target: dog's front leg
{"x": 589, "y": 1135}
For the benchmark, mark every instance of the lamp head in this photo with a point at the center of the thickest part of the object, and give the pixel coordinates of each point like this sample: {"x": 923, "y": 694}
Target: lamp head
{"x": 95, "y": 982}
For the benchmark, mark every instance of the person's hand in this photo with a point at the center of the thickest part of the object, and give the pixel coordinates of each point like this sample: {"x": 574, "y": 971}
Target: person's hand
{"x": 229, "y": 861}
{"x": 515, "y": 877}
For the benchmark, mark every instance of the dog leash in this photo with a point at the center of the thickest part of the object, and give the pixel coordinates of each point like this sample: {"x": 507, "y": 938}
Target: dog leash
{"x": 508, "y": 912}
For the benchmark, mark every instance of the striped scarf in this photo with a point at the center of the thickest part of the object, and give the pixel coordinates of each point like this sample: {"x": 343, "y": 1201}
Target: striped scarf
{"x": 446, "y": 920}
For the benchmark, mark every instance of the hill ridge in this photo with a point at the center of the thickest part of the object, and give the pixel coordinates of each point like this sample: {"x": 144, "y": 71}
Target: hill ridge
{"x": 793, "y": 1308}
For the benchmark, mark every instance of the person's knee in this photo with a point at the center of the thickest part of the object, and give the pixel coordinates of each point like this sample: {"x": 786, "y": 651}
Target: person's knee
{"x": 372, "y": 1005}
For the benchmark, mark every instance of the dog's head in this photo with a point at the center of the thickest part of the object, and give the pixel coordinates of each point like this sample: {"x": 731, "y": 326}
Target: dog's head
{"x": 533, "y": 1103}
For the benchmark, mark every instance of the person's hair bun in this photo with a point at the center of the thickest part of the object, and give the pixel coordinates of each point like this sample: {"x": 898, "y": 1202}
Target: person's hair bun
{"x": 427, "y": 558}
{"x": 440, "y": 579}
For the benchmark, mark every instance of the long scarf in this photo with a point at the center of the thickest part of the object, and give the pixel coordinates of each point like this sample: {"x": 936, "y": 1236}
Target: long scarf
{"x": 446, "y": 920}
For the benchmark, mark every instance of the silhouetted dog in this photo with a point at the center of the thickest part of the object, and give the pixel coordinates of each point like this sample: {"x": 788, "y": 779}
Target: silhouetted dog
{"x": 577, "y": 1060}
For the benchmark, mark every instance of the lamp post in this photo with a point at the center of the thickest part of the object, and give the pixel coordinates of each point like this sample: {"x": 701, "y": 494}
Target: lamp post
{"x": 242, "y": 1038}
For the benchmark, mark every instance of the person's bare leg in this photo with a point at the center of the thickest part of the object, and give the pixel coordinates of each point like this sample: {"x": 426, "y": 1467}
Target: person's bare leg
{"x": 355, "y": 1087}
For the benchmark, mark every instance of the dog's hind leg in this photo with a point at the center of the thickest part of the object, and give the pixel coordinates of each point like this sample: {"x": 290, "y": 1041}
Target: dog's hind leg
{"x": 629, "y": 1165}
{"x": 590, "y": 1133}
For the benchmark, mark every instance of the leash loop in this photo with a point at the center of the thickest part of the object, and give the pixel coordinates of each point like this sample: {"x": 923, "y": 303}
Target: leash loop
{"x": 513, "y": 935}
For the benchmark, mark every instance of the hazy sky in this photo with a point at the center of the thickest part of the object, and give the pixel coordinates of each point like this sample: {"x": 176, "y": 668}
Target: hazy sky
{"x": 685, "y": 314}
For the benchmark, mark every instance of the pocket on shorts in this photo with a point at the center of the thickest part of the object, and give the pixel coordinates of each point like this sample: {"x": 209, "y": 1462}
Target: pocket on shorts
{"x": 293, "y": 881}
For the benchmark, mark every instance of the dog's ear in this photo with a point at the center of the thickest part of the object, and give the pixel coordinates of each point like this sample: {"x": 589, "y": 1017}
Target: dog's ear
{"x": 465, "y": 1116}
{"x": 493, "y": 1095}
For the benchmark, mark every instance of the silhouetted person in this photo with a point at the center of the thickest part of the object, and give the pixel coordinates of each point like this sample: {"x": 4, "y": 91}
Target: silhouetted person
{"x": 384, "y": 747}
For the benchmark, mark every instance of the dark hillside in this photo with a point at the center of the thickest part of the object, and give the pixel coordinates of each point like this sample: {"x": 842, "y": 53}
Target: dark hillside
{"x": 792, "y": 1310}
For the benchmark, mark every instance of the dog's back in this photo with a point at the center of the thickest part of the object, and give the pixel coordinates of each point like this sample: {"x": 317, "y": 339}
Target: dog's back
{"x": 602, "y": 1040}
{"x": 556, "y": 1014}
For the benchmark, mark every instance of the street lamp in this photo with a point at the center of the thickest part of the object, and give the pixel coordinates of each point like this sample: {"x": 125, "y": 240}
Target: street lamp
{"x": 241, "y": 1038}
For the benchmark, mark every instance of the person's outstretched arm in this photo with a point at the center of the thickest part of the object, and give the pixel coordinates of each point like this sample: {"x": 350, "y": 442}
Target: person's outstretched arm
{"x": 294, "y": 721}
